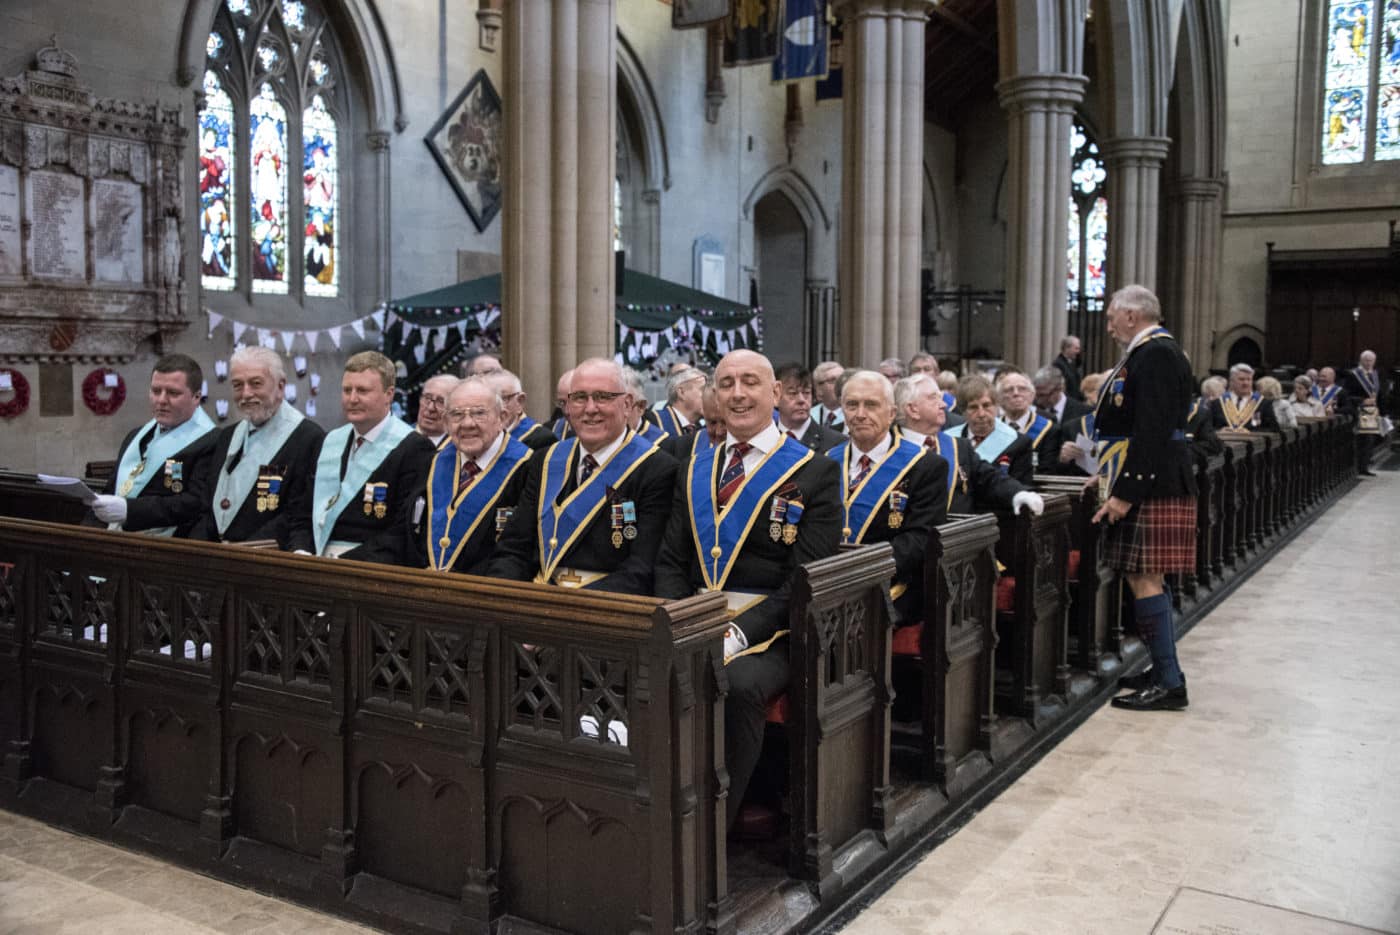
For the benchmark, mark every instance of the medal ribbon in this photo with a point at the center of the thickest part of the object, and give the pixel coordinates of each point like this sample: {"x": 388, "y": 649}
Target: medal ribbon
{"x": 234, "y": 486}
{"x": 719, "y": 534}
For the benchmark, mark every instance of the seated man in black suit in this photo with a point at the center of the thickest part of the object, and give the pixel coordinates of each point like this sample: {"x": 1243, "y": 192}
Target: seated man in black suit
{"x": 711, "y": 431}
{"x": 1241, "y": 408}
{"x": 1017, "y": 395}
{"x": 369, "y": 474}
{"x": 476, "y": 480}
{"x": 746, "y": 513}
{"x": 993, "y": 440}
{"x": 795, "y": 410}
{"x": 263, "y": 467}
{"x": 895, "y": 490}
{"x": 158, "y": 487}
{"x": 972, "y": 484}
{"x": 594, "y": 506}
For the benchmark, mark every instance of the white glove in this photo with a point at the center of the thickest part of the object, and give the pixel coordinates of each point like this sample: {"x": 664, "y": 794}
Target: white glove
{"x": 110, "y": 509}
{"x": 734, "y": 641}
{"x": 300, "y": 552}
{"x": 1031, "y": 501}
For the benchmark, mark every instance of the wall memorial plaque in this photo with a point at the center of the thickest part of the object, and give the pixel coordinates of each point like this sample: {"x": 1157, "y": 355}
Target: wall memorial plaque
{"x": 56, "y": 242}
{"x": 10, "y": 264}
{"x": 117, "y": 223}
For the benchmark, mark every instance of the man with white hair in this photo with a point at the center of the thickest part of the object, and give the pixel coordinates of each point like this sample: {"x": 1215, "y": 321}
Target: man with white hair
{"x": 682, "y": 413}
{"x": 636, "y": 415}
{"x": 892, "y": 369}
{"x": 972, "y": 485}
{"x": 827, "y": 409}
{"x": 1147, "y": 472}
{"x": 1363, "y": 382}
{"x": 745, "y": 514}
{"x": 264, "y": 465}
{"x": 893, "y": 490}
{"x": 1328, "y": 391}
{"x": 1017, "y": 394}
{"x": 521, "y": 427}
{"x": 1241, "y": 408}
{"x": 595, "y": 505}
{"x": 481, "y": 365}
{"x": 432, "y": 403}
{"x": 476, "y": 479}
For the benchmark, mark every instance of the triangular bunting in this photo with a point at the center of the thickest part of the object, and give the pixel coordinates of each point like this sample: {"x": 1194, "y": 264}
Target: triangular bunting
{"x": 311, "y": 337}
{"x": 358, "y": 326}
{"x": 378, "y": 316}
{"x": 238, "y": 329}
{"x": 266, "y": 339}
{"x": 333, "y": 333}
{"x": 287, "y": 338}
{"x": 420, "y": 353}
{"x": 215, "y": 319}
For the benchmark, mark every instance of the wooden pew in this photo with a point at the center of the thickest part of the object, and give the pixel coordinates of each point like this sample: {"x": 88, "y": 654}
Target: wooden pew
{"x": 1033, "y": 677}
{"x": 21, "y": 497}
{"x": 954, "y": 652}
{"x": 401, "y": 746}
{"x": 838, "y": 713}
{"x": 1095, "y": 630}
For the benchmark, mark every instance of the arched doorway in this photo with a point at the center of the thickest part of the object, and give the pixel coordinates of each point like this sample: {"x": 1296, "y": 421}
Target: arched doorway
{"x": 780, "y": 256}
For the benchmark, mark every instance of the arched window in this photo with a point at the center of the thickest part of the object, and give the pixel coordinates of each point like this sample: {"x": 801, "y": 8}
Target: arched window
{"x": 1088, "y": 234}
{"x": 1362, "y": 58}
{"x": 271, "y": 99}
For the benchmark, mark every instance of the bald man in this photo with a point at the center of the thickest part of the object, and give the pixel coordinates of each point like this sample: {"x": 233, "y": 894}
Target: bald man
{"x": 521, "y": 427}
{"x": 746, "y": 513}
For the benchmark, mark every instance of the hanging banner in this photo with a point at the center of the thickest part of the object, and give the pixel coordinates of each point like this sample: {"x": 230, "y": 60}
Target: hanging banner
{"x": 751, "y": 32}
{"x": 802, "y": 51}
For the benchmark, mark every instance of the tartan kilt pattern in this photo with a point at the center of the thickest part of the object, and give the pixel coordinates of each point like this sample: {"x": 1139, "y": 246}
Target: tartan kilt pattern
{"x": 1157, "y": 537}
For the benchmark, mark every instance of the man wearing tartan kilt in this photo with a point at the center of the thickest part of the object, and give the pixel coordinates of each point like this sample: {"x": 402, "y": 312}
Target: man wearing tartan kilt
{"x": 1145, "y": 462}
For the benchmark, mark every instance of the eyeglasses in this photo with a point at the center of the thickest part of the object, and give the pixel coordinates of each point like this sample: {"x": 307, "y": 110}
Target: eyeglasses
{"x": 599, "y": 397}
{"x": 460, "y": 415}
{"x": 433, "y": 402}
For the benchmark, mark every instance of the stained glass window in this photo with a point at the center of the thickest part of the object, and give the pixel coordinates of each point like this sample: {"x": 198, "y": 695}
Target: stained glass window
{"x": 267, "y": 157}
{"x": 271, "y": 81}
{"x": 1388, "y": 95}
{"x": 216, "y": 222}
{"x": 1086, "y": 258}
{"x": 1361, "y": 86}
{"x": 321, "y": 189}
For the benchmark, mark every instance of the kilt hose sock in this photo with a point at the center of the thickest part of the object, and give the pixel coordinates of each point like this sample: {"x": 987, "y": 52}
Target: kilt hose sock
{"x": 1154, "y": 625}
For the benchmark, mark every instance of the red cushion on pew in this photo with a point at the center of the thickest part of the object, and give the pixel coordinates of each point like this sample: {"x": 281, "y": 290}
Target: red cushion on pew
{"x": 778, "y": 710}
{"x": 1072, "y": 566}
{"x": 1006, "y": 594}
{"x": 906, "y": 640}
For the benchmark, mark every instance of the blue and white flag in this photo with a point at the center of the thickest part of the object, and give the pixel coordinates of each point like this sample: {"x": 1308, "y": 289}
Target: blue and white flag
{"x": 802, "y": 50}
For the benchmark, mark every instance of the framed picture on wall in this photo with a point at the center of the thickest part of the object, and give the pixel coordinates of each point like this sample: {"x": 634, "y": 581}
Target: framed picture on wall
{"x": 466, "y": 142}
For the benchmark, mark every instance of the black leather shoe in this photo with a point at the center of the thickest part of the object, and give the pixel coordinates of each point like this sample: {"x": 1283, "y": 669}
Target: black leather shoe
{"x": 1155, "y": 698}
{"x": 1367, "y": 473}
{"x": 1136, "y": 682}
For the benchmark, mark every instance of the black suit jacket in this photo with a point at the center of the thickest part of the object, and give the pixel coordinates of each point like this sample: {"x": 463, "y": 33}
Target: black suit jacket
{"x": 295, "y": 461}
{"x": 1264, "y": 419}
{"x": 629, "y": 568}
{"x": 538, "y": 437}
{"x": 1070, "y": 369}
{"x": 1017, "y": 458}
{"x": 762, "y": 564}
{"x": 818, "y": 438}
{"x": 155, "y": 506}
{"x": 384, "y": 540}
{"x": 1156, "y": 398}
{"x": 927, "y": 487}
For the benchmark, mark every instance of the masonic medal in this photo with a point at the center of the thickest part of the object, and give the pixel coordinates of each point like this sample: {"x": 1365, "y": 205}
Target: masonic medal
{"x": 629, "y": 520}
{"x": 503, "y": 515}
{"x": 274, "y": 491}
{"x": 776, "y": 515}
{"x": 1118, "y": 400}
{"x": 898, "y": 501}
{"x": 617, "y": 538}
{"x": 792, "y": 513}
{"x": 616, "y": 513}
{"x": 369, "y": 499}
{"x": 381, "y": 498}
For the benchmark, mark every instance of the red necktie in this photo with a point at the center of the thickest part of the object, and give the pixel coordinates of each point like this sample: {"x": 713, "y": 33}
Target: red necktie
{"x": 469, "y": 471}
{"x": 864, "y": 463}
{"x": 977, "y": 440}
{"x": 931, "y": 442}
{"x": 359, "y": 443}
{"x": 590, "y": 464}
{"x": 733, "y": 476}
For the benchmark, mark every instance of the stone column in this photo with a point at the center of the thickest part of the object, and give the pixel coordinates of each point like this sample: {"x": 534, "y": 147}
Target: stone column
{"x": 1134, "y": 165}
{"x": 379, "y": 146}
{"x": 1190, "y": 295}
{"x": 560, "y": 102}
{"x": 1040, "y": 111}
{"x": 881, "y": 182}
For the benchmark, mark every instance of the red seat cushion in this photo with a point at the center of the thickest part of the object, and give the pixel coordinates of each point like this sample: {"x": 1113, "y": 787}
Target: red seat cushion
{"x": 778, "y": 710}
{"x": 907, "y": 639}
{"x": 1006, "y": 594}
{"x": 1072, "y": 566}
